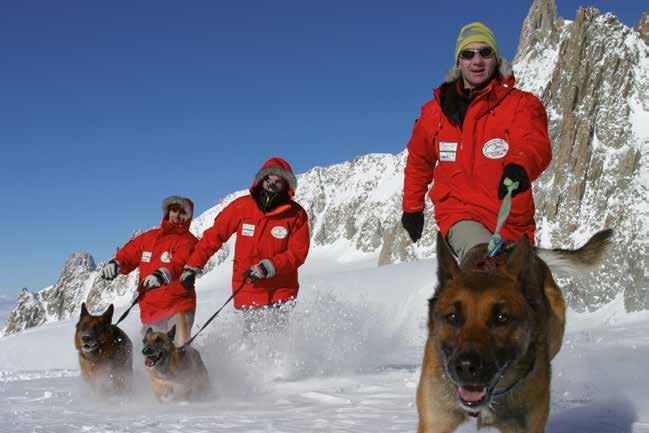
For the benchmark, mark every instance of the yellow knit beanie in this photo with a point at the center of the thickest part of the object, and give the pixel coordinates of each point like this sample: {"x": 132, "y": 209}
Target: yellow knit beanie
{"x": 476, "y": 32}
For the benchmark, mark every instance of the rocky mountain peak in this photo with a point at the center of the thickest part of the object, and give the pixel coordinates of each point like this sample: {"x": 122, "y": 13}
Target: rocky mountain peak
{"x": 593, "y": 81}
{"x": 643, "y": 27}
{"x": 28, "y": 312}
{"x": 78, "y": 262}
{"x": 540, "y": 28}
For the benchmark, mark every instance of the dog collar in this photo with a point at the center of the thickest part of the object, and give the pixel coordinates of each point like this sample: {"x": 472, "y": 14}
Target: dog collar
{"x": 513, "y": 385}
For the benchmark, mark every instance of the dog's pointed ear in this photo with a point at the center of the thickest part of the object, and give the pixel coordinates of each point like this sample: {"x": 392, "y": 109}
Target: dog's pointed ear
{"x": 523, "y": 266}
{"x": 172, "y": 333}
{"x": 521, "y": 257}
{"x": 447, "y": 268}
{"x": 84, "y": 310}
{"x": 148, "y": 331}
{"x": 108, "y": 314}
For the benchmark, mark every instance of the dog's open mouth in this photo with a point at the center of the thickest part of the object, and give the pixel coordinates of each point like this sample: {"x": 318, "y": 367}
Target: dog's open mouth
{"x": 152, "y": 360}
{"x": 472, "y": 397}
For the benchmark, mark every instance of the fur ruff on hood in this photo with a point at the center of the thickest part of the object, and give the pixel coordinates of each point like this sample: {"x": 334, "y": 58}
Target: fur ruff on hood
{"x": 287, "y": 175}
{"x": 505, "y": 69}
{"x": 185, "y": 203}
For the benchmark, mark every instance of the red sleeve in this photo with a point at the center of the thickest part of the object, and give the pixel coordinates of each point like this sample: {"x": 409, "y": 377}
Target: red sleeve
{"x": 180, "y": 254}
{"x": 129, "y": 255}
{"x": 530, "y": 144}
{"x": 298, "y": 247}
{"x": 225, "y": 225}
{"x": 420, "y": 165}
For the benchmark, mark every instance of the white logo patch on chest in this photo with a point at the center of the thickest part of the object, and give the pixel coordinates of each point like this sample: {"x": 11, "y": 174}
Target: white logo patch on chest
{"x": 247, "y": 230}
{"x": 146, "y": 256}
{"x": 447, "y": 156}
{"x": 447, "y": 146}
{"x": 165, "y": 257}
{"x": 495, "y": 148}
{"x": 279, "y": 232}
{"x": 447, "y": 151}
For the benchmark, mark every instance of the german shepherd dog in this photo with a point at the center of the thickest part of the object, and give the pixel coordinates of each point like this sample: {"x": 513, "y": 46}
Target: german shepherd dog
{"x": 105, "y": 353}
{"x": 176, "y": 373}
{"x": 493, "y": 328}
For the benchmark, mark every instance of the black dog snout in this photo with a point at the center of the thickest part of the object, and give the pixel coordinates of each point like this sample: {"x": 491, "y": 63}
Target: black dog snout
{"x": 148, "y": 351}
{"x": 471, "y": 368}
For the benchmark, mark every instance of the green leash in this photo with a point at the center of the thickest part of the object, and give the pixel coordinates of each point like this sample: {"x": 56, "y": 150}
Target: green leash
{"x": 496, "y": 241}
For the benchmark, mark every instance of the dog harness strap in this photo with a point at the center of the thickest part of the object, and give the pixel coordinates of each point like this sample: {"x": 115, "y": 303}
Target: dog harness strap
{"x": 496, "y": 241}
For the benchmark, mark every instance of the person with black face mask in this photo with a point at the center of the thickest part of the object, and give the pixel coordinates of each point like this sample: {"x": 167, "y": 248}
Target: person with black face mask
{"x": 271, "y": 192}
{"x": 272, "y": 241}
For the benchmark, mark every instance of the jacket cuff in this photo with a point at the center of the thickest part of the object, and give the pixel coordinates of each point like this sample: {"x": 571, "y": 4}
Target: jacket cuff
{"x": 166, "y": 274}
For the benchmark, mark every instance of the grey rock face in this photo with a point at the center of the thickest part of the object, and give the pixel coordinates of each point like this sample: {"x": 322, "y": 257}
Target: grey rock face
{"x": 29, "y": 312}
{"x": 643, "y": 27}
{"x": 62, "y": 298}
{"x": 592, "y": 77}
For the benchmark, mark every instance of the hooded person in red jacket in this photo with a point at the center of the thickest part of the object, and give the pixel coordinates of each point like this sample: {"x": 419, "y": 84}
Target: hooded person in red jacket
{"x": 161, "y": 254}
{"x": 272, "y": 239}
{"x": 478, "y": 131}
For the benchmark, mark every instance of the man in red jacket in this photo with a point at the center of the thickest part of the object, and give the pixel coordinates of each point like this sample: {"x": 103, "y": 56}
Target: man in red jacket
{"x": 161, "y": 254}
{"x": 272, "y": 240}
{"x": 478, "y": 131}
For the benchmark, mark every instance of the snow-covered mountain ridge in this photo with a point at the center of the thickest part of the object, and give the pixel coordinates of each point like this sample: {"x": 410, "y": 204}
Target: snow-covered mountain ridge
{"x": 592, "y": 74}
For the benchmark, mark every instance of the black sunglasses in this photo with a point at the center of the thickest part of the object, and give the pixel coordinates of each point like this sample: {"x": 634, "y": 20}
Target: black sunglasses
{"x": 485, "y": 53}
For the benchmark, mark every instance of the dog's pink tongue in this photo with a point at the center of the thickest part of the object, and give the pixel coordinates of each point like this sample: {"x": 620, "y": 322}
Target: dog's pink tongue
{"x": 148, "y": 362}
{"x": 472, "y": 396}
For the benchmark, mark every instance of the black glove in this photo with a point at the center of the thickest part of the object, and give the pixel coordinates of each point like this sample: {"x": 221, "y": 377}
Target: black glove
{"x": 188, "y": 277}
{"x": 516, "y": 173}
{"x": 110, "y": 270}
{"x": 413, "y": 222}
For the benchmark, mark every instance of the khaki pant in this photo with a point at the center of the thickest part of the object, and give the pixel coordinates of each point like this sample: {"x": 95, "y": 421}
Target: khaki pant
{"x": 183, "y": 321}
{"x": 466, "y": 234}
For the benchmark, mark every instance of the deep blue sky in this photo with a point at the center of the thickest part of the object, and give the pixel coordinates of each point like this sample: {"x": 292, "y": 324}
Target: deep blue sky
{"x": 107, "y": 108}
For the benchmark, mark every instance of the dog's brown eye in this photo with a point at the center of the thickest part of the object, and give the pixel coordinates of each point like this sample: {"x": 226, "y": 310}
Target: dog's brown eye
{"x": 502, "y": 319}
{"x": 453, "y": 319}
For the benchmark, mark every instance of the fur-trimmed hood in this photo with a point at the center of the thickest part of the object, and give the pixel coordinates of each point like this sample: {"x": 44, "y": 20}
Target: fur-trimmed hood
{"x": 184, "y": 202}
{"x": 505, "y": 69}
{"x": 278, "y": 167}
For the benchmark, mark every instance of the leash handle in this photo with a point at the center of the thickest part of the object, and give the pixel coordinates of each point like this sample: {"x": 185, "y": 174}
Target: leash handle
{"x": 496, "y": 241}
{"x": 246, "y": 276}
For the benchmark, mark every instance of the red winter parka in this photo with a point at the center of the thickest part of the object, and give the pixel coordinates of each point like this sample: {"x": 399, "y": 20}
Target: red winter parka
{"x": 503, "y": 125}
{"x": 168, "y": 246}
{"x": 281, "y": 235}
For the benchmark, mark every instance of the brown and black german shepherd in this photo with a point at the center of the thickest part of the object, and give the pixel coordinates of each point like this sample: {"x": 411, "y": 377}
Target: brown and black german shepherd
{"x": 105, "y": 353}
{"x": 176, "y": 373}
{"x": 493, "y": 328}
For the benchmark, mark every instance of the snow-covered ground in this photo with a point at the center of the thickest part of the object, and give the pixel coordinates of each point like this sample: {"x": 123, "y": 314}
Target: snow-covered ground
{"x": 349, "y": 363}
